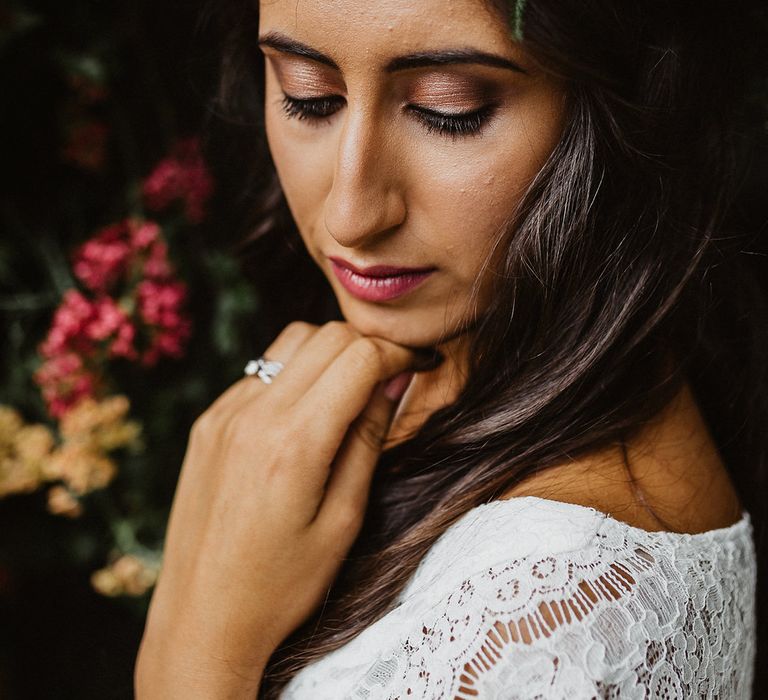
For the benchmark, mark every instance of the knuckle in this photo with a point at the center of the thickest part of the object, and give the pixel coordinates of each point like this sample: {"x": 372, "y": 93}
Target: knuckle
{"x": 239, "y": 427}
{"x": 339, "y": 331}
{"x": 368, "y": 432}
{"x": 367, "y": 352}
{"x": 202, "y": 424}
{"x": 297, "y": 330}
{"x": 348, "y": 517}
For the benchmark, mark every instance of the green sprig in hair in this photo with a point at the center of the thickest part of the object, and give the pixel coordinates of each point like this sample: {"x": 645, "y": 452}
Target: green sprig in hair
{"x": 517, "y": 19}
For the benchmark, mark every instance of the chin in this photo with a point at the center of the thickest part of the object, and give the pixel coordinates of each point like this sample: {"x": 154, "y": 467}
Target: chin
{"x": 413, "y": 334}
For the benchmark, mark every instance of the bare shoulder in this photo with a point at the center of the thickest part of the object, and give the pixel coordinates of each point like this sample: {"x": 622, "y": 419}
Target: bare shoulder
{"x": 673, "y": 479}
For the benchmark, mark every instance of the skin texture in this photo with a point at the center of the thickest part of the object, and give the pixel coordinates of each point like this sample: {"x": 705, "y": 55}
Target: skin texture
{"x": 370, "y": 184}
{"x": 680, "y": 481}
{"x": 262, "y": 519}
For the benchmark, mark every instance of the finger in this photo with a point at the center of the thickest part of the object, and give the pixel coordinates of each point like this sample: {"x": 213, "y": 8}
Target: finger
{"x": 349, "y": 483}
{"x": 343, "y": 391}
{"x": 282, "y": 349}
{"x": 310, "y": 361}
{"x": 195, "y": 484}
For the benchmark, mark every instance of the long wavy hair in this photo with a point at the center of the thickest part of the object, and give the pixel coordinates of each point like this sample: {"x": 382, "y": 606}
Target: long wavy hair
{"x": 622, "y": 275}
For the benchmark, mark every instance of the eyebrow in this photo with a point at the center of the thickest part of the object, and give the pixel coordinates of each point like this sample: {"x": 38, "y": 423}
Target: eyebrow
{"x": 286, "y": 44}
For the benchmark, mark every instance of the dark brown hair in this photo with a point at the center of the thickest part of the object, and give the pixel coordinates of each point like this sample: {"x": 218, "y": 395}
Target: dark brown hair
{"x": 618, "y": 280}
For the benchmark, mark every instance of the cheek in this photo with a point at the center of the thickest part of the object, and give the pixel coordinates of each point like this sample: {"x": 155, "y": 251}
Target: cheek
{"x": 470, "y": 192}
{"x": 302, "y": 165}
{"x": 290, "y": 164}
{"x": 467, "y": 201}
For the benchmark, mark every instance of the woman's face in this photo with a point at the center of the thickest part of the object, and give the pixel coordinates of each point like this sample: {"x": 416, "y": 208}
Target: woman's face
{"x": 404, "y": 133}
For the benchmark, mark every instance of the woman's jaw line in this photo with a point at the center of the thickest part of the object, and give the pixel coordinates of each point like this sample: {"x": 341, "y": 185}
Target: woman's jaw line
{"x": 446, "y": 344}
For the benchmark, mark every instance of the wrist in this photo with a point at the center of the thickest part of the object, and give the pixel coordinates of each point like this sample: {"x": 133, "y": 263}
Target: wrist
{"x": 167, "y": 671}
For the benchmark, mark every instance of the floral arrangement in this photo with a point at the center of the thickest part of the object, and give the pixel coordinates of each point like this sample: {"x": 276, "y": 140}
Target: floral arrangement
{"x": 124, "y": 314}
{"x": 130, "y": 305}
{"x": 133, "y": 308}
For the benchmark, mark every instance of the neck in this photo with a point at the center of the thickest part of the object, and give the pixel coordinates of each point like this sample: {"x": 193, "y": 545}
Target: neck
{"x": 431, "y": 390}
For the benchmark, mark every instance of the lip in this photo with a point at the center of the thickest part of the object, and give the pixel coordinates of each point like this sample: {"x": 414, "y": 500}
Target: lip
{"x": 379, "y": 270}
{"x": 379, "y": 282}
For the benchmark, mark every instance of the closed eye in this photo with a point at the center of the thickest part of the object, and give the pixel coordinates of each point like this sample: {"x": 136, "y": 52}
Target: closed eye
{"x": 317, "y": 109}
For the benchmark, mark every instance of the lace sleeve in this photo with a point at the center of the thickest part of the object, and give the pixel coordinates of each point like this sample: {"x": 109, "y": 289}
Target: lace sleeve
{"x": 623, "y": 619}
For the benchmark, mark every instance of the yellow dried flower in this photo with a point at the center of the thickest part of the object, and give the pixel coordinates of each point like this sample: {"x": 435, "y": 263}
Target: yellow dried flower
{"x": 105, "y": 582}
{"x": 15, "y": 478}
{"x": 24, "y": 451}
{"x": 34, "y": 443}
{"x": 137, "y": 577}
{"x": 120, "y": 435}
{"x": 90, "y": 430}
{"x": 81, "y": 466}
{"x": 81, "y": 420}
{"x": 10, "y": 424}
{"x": 100, "y": 422}
{"x": 128, "y": 575}
{"x": 62, "y": 502}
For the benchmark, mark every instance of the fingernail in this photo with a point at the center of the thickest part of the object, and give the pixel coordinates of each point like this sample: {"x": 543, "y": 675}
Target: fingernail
{"x": 395, "y": 387}
{"x": 429, "y": 360}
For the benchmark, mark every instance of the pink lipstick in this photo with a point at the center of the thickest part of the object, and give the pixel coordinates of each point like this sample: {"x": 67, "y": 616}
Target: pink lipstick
{"x": 379, "y": 282}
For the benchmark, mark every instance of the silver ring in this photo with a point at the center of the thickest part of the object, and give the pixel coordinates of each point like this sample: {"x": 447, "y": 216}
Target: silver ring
{"x": 264, "y": 369}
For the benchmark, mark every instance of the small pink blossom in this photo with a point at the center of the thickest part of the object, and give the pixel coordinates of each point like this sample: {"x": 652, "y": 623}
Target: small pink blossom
{"x": 100, "y": 263}
{"x": 183, "y": 176}
{"x": 82, "y": 326}
{"x": 156, "y": 264}
{"x": 66, "y": 333}
{"x": 160, "y": 307}
{"x": 106, "y": 320}
{"x": 64, "y": 380}
{"x": 159, "y": 302}
{"x": 123, "y": 344}
{"x": 132, "y": 309}
{"x": 104, "y": 261}
{"x": 145, "y": 234}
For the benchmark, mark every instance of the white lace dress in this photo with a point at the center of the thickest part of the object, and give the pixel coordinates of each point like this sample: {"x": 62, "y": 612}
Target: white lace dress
{"x": 533, "y": 598}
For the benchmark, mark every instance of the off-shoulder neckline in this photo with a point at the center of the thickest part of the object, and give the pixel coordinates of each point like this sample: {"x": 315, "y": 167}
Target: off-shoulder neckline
{"x": 727, "y": 531}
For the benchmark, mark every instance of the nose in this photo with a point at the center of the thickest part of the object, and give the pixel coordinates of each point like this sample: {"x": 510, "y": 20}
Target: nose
{"x": 366, "y": 199}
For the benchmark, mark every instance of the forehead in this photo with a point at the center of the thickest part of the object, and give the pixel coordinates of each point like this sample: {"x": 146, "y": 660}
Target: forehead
{"x": 355, "y": 31}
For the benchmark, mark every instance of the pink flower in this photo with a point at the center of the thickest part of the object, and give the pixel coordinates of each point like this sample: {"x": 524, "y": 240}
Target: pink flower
{"x": 110, "y": 323}
{"x": 145, "y": 234}
{"x": 82, "y": 326}
{"x": 159, "y": 302}
{"x": 101, "y": 261}
{"x": 160, "y": 307}
{"x": 123, "y": 345}
{"x": 133, "y": 309}
{"x": 64, "y": 380}
{"x": 118, "y": 250}
{"x": 156, "y": 265}
{"x": 106, "y": 319}
{"x": 69, "y": 321}
{"x": 182, "y": 176}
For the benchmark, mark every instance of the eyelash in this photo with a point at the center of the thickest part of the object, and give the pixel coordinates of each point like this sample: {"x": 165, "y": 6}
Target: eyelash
{"x": 466, "y": 124}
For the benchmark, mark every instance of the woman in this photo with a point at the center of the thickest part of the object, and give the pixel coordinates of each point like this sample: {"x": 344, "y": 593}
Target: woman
{"x": 519, "y": 463}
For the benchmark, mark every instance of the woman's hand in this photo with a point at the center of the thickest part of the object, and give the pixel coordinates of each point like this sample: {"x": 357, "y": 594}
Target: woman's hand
{"x": 271, "y": 497}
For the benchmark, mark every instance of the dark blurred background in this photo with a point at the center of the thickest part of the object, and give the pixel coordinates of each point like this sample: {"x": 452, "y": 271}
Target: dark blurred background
{"x": 95, "y": 95}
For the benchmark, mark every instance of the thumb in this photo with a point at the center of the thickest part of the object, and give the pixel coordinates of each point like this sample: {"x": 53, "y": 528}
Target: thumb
{"x": 352, "y": 470}
{"x": 395, "y": 387}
